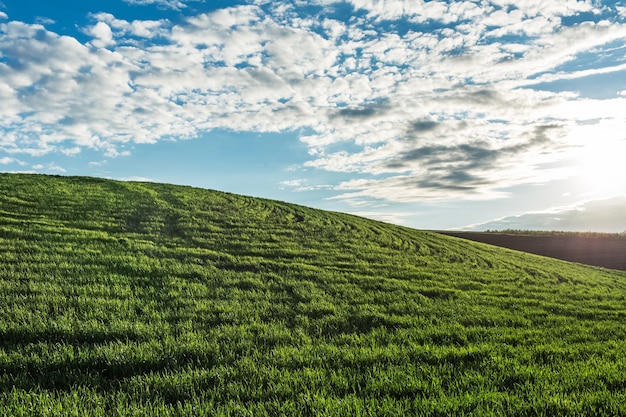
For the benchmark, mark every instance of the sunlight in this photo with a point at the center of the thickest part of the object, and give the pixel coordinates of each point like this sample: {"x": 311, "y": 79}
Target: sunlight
{"x": 600, "y": 165}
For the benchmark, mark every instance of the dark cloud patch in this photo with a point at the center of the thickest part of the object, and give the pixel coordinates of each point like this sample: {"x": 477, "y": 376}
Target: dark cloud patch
{"x": 454, "y": 179}
{"x": 475, "y": 96}
{"x": 484, "y": 96}
{"x": 443, "y": 185}
{"x": 468, "y": 167}
{"x": 457, "y": 169}
{"x": 263, "y": 77}
{"x": 395, "y": 165}
{"x": 358, "y": 113}
{"x": 463, "y": 177}
{"x": 423, "y": 125}
{"x": 435, "y": 186}
{"x": 541, "y": 134}
{"x": 471, "y": 155}
{"x": 365, "y": 112}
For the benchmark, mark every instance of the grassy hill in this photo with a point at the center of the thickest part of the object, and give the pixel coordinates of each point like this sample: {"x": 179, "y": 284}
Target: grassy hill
{"x": 149, "y": 299}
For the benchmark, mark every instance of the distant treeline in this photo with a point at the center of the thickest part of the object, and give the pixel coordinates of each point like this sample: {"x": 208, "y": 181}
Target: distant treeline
{"x": 592, "y": 248}
{"x": 556, "y": 233}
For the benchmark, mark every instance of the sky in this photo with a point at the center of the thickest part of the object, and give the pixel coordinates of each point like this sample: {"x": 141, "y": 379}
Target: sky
{"x": 483, "y": 114}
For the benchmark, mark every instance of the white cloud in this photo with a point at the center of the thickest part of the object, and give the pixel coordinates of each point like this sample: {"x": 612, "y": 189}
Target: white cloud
{"x": 70, "y": 151}
{"x": 387, "y": 217}
{"x": 50, "y": 167}
{"x": 562, "y": 75}
{"x": 300, "y": 185}
{"x": 605, "y": 215}
{"x": 417, "y": 11}
{"x": 444, "y": 113}
{"x": 44, "y": 20}
{"x": 103, "y": 36}
{"x": 409, "y": 188}
{"x": 493, "y": 13}
{"x": 121, "y": 29}
{"x": 55, "y": 168}
{"x": 3, "y": 15}
{"x": 137, "y": 179}
{"x": 6, "y": 160}
{"x": 166, "y": 4}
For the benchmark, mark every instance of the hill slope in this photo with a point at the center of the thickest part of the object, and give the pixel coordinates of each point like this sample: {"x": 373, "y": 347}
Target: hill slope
{"x": 149, "y": 299}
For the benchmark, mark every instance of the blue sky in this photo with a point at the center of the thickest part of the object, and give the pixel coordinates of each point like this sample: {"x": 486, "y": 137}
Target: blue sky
{"x": 437, "y": 114}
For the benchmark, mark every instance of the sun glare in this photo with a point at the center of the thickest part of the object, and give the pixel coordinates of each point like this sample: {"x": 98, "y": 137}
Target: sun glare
{"x": 601, "y": 167}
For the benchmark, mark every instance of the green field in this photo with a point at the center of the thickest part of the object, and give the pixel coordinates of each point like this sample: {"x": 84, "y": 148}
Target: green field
{"x": 148, "y": 299}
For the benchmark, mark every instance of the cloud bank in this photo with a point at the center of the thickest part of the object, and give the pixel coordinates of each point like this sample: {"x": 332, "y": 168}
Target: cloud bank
{"x": 599, "y": 215}
{"x": 417, "y": 100}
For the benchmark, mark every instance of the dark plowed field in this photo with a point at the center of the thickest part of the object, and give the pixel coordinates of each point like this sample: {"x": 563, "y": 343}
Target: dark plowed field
{"x": 606, "y": 251}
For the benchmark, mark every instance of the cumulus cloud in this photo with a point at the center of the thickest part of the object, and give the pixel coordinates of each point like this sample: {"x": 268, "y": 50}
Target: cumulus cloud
{"x": 449, "y": 112}
{"x": 6, "y": 160}
{"x": 102, "y": 34}
{"x": 166, "y": 4}
{"x": 109, "y": 27}
{"x": 605, "y": 215}
{"x": 50, "y": 167}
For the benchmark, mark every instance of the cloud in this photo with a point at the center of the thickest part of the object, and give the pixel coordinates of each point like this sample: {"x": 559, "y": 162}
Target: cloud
{"x": 362, "y": 113}
{"x": 387, "y": 217}
{"x": 409, "y": 188}
{"x": 137, "y": 179}
{"x": 103, "y": 36}
{"x": 6, "y": 160}
{"x": 124, "y": 31}
{"x": 423, "y": 125}
{"x": 502, "y": 14}
{"x": 437, "y": 111}
{"x": 61, "y": 90}
{"x": 605, "y": 215}
{"x": 70, "y": 151}
{"x": 55, "y": 167}
{"x": 44, "y": 20}
{"x": 301, "y": 185}
{"x": 165, "y": 4}
{"x": 49, "y": 167}
{"x": 434, "y": 161}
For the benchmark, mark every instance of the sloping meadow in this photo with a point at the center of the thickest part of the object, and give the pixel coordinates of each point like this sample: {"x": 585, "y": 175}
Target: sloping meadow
{"x": 148, "y": 299}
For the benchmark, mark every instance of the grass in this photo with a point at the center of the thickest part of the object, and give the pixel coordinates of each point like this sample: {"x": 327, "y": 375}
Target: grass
{"x": 132, "y": 299}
